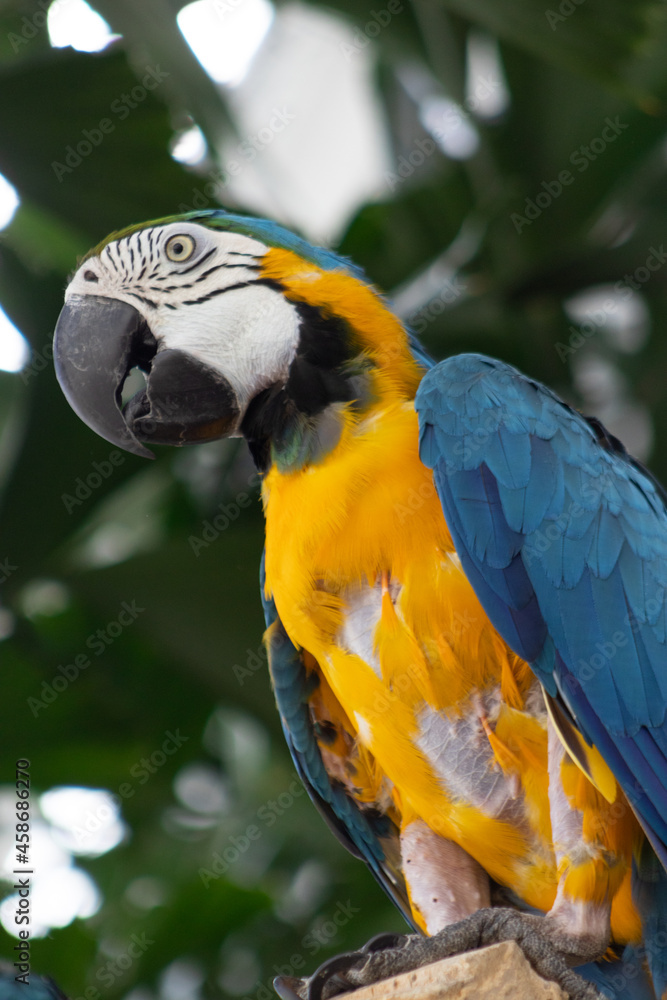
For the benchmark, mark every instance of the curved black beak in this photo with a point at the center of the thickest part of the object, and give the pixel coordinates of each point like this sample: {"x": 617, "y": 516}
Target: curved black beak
{"x": 98, "y": 341}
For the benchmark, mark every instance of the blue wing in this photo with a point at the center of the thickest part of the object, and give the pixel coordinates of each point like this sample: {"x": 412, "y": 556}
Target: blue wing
{"x": 367, "y": 834}
{"x": 564, "y": 538}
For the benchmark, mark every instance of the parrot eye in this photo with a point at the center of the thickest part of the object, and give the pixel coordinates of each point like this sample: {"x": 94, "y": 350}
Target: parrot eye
{"x": 180, "y": 248}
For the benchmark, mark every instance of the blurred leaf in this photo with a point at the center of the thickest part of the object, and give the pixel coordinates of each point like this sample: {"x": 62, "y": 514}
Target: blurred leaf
{"x": 152, "y": 34}
{"x": 42, "y": 241}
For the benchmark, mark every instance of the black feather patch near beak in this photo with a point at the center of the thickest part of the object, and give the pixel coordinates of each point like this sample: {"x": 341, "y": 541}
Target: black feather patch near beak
{"x": 97, "y": 342}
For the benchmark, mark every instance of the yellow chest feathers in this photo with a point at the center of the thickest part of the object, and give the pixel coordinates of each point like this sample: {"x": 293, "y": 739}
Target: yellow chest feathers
{"x": 368, "y": 516}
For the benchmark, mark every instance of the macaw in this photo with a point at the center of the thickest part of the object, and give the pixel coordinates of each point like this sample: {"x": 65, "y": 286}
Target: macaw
{"x": 463, "y": 582}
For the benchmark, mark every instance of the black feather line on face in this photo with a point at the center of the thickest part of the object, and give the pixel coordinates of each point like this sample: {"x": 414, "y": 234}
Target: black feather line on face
{"x": 193, "y": 267}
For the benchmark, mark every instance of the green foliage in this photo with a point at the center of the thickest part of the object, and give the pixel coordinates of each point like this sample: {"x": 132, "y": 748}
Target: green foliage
{"x": 191, "y": 661}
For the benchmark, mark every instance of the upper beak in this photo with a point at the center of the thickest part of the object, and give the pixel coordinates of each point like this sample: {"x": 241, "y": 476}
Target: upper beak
{"x": 98, "y": 341}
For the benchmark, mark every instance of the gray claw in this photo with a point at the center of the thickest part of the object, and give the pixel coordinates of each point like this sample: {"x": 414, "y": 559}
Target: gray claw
{"x": 329, "y": 970}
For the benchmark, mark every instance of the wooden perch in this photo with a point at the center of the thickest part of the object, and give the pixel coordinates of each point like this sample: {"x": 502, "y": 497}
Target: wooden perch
{"x": 500, "y": 972}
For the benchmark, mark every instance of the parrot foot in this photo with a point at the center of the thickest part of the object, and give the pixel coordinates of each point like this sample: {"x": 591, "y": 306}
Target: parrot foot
{"x": 390, "y": 955}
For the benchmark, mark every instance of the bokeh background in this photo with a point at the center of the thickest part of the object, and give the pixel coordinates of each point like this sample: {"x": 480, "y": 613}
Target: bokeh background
{"x": 499, "y": 168}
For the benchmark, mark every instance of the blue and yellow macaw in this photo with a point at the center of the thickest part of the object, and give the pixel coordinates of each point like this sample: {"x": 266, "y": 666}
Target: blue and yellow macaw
{"x": 464, "y": 584}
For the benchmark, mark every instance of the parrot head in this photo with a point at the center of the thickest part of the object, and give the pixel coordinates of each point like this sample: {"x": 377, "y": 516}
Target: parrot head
{"x": 240, "y": 328}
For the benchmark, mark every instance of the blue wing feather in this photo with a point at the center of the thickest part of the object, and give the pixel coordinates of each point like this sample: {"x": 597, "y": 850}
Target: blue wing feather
{"x": 564, "y": 538}
{"x": 650, "y": 896}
